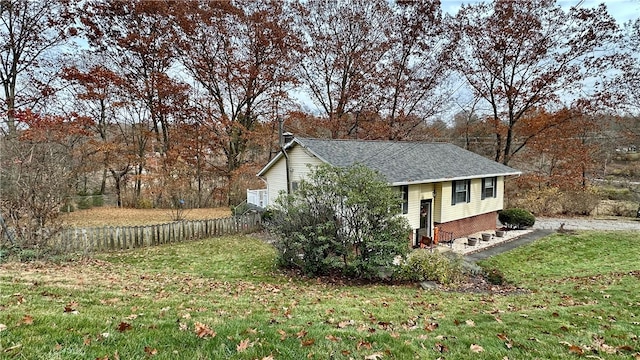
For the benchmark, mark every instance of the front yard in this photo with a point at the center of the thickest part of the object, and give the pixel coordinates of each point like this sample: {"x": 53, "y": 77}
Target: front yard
{"x": 223, "y": 298}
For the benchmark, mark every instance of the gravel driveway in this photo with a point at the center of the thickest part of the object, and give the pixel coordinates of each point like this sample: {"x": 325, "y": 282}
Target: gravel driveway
{"x": 586, "y": 224}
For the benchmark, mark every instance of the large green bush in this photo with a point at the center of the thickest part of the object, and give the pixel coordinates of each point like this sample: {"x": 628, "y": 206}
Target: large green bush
{"x": 425, "y": 265}
{"x": 516, "y": 218}
{"x": 340, "y": 220}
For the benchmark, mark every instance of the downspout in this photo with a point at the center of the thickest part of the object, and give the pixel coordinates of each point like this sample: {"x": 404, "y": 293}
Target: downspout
{"x": 286, "y": 166}
{"x": 284, "y": 152}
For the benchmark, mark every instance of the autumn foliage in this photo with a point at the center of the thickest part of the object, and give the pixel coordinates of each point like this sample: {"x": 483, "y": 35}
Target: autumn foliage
{"x": 156, "y": 101}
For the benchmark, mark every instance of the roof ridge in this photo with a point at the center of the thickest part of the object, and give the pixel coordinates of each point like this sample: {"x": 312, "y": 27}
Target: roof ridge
{"x": 378, "y": 141}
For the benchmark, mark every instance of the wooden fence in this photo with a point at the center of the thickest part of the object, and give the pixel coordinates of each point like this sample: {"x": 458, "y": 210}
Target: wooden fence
{"x": 129, "y": 237}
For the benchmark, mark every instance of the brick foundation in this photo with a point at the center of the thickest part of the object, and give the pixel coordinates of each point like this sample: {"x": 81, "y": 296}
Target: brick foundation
{"x": 467, "y": 226}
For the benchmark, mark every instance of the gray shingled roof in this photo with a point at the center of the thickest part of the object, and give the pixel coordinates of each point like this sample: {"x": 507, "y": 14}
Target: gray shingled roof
{"x": 406, "y": 162}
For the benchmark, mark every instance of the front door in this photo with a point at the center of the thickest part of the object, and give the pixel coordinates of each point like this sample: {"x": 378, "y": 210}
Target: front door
{"x": 425, "y": 218}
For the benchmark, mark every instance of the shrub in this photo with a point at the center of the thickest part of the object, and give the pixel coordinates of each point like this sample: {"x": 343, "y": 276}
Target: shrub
{"x": 84, "y": 202}
{"x": 97, "y": 200}
{"x": 424, "y": 265}
{"x": 581, "y": 202}
{"x": 144, "y": 203}
{"x": 340, "y": 221}
{"x": 516, "y": 218}
{"x": 68, "y": 206}
{"x": 541, "y": 201}
{"x": 613, "y": 193}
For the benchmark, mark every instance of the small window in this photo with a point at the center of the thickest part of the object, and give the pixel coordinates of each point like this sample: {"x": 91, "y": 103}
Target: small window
{"x": 461, "y": 192}
{"x": 489, "y": 186}
{"x": 404, "y": 189}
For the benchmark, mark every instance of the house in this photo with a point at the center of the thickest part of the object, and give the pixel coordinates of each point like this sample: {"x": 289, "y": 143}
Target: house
{"x": 442, "y": 185}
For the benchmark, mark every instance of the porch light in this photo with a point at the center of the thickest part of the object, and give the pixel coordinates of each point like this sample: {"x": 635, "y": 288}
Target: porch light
{"x": 434, "y": 194}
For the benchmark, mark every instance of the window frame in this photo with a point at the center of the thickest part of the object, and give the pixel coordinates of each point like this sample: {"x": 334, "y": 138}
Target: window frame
{"x": 455, "y": 191}
{"x": 404, "y": 207}
{"x": 493, "y": 188}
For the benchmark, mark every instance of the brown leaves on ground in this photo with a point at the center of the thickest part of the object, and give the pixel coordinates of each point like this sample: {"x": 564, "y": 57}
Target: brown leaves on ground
{"x": 431, "y": 326}
{"x": 124, "y": 326}
{"x": 204, "y": 331}
{"x": 71, "y": 308}
{"x": 243, "y": 345}
{"x": 440, "y": 347}
{"x": 26, "y": 320}
{"x": 307, "y": 342}
{"x": 109, "y": 216}
{"x": 476, "y": 348}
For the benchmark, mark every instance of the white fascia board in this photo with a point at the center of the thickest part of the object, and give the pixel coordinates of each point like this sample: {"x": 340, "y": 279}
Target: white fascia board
{"x": 430, "y": 181}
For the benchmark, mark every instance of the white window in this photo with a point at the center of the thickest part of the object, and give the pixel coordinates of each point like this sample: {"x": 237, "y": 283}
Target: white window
{"x": 461, "y": 192}
{"x": 489, "y": 186}
{"x": 404, "y": 189}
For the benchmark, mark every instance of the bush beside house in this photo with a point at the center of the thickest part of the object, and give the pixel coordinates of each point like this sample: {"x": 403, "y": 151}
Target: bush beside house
{"x": 340, "y": 221}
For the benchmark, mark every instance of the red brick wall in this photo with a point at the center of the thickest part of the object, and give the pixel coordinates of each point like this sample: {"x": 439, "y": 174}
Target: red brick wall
{"x": 464, "y": 227}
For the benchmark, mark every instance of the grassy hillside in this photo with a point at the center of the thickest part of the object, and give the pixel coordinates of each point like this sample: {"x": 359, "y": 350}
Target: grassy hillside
{"x": 223, "y": 298}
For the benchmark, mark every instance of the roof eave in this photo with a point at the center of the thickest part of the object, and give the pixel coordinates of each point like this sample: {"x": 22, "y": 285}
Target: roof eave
{"x": 429, "y": 181}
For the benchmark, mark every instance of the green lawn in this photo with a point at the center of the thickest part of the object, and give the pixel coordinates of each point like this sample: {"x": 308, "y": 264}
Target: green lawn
{"x": 223, "y": 298}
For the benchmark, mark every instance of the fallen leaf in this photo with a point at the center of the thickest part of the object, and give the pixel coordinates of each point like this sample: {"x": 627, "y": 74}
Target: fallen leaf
{"x": 149, "y": 351}
{"x": 470, "y": 322}
{"x": 27, "y": 320}
{"x": 243, "y": 345}
{"x": 124, "y": 326}
{"x": 576, "y": 349}
{"x": 3, "y": 327}
{"x": 440, "y": 347}
{"x": 283, "y": 334}
{"x": 87, "y": 341}
{"x": 302, "y": 333}
{"x": 345, "y": 352}
{"x": 203, "y": 331}
{"x": 363, "y": 344}
{"x": 476, "y": 348}
{"x": 332, "y": 338}
{"x": 343, "y": 324}
{"x": 502, "y": 337}
{"x": 58, "y": 347}
{"x": 607, "y": 348}
{"x": 431, "y": 327}
{"x": 183, "y": 327}
{"x": 270, "y": 357}
{"x": 308, "y": 342}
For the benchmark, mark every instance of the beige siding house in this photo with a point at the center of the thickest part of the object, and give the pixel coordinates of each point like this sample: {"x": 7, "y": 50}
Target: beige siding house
{"x": 444, "y": 187}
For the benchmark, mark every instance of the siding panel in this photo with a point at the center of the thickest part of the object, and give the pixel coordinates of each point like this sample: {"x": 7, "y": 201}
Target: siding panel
{"x": 477, "y": 205}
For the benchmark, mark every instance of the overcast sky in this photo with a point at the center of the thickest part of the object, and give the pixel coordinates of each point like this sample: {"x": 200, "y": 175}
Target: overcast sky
{"x": 622, "y": 10}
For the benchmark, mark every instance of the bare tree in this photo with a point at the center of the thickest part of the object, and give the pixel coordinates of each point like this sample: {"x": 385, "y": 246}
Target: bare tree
{"x": 341, "y": 62}
{"x": 520, "y": 54}
{"x": 31, "y": 34}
